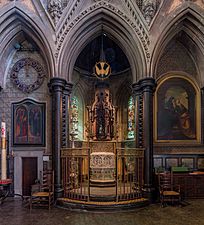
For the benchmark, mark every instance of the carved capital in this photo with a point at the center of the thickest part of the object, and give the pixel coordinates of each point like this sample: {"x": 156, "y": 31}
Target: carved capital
{"x": 56, "y": 84}
{"x": 68, "y": 88}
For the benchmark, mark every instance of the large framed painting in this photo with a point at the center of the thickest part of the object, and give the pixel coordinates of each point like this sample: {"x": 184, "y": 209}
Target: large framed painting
{"x": 28, "y": 123}
{"x": 177, "y": 110}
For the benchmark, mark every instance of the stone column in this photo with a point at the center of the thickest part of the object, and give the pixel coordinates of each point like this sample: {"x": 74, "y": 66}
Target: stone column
{"x": 65, "y": 114}
{"x": 143, "y": 91}
{"x": 148, "y": 87}
{"x": 56, "y": 87}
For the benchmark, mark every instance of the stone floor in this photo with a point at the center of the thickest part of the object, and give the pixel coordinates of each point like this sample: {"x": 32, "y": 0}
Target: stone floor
{"x": 12, "y": 212}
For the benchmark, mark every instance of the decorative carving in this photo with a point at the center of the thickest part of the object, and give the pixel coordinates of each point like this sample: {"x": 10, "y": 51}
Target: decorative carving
{"x": 148, "y": 8}
{"x": 102, "y": 146}
{"x": 149, "y": 11}
{"x": 55, "y": 10}
{"x": 140, "y": 121}
{"x": 22, "y": 82}
{"x": 102, "y": 160}
{"x": 64, "y": 127}
{"x": 102, "y": 166}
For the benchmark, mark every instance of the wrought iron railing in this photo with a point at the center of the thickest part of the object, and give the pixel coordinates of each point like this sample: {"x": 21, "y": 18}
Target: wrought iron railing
{"x": 91, "y": 176}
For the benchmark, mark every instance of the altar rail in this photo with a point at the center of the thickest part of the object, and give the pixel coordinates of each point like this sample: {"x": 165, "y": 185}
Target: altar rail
{"x": 127, "y": 175}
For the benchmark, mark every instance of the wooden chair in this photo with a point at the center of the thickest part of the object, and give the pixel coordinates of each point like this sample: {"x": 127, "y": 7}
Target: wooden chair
{"x": 168, "y": 191}
{"x": 44, "y": 196}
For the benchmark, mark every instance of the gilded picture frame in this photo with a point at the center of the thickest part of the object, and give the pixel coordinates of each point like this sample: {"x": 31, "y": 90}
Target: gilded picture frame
{"x": 177, "y": 110}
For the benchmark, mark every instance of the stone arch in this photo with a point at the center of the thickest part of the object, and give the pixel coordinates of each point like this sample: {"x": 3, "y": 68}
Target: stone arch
{"x": 186, "y": 21}
{"x": 17, "y": 23}
{"x": 114, "y": 27}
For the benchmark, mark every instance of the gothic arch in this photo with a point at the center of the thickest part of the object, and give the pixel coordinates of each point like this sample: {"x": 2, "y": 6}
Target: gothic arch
{"x": 187, "y": 21}
{"x": 114, "y": 27}
{"x": 15, "y": 23}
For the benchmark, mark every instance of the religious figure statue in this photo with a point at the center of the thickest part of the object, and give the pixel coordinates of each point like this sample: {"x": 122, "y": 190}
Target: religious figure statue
{"x": 102, "y": 116}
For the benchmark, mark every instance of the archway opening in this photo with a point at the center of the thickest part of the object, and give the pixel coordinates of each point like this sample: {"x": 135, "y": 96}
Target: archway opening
{"x": 104, "y": 166}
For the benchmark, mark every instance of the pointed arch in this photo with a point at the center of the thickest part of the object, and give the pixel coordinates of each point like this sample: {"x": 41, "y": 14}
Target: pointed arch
{"x": 15, "y": 23}
{"x": 117, "y": 29}
{"x": 189, "y": 21}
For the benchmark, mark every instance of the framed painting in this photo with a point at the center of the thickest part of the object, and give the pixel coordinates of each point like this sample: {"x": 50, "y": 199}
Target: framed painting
{"x": 28, "y": 123}
{"x": 177, "y": 105}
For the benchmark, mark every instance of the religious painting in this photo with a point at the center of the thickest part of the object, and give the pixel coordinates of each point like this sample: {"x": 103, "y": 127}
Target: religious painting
{"x": 177, "y": 111}
{"x": 28, "y": 123}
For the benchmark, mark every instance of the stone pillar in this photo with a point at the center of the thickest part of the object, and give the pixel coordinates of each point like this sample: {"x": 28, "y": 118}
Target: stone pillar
{"x": 148, "y": 87}
{"x": 56, "y": 87}
{"x": 65, "y": 114}
{"x": 144, "y": 90}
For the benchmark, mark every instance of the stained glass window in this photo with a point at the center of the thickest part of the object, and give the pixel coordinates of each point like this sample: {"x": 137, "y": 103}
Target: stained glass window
{"x": 74, "y": 116}
{"x": 131, "y": 118}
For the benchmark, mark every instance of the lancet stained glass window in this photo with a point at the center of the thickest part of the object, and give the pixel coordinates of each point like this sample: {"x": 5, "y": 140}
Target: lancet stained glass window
{"x": 131, "y": 118}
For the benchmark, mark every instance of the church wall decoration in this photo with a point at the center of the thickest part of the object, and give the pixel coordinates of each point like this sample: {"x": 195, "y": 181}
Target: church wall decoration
{"x": 201, "y": 163}
{"x": 187, "y": 162}
{"x": 171, "y": 162}
{"x": 177, "y": 111}
{"x": 28, "y": 123}
{"x": 23, "y": 78}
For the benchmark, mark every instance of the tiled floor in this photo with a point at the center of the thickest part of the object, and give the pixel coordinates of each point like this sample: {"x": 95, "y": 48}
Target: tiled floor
{"x": 12, "y": 212}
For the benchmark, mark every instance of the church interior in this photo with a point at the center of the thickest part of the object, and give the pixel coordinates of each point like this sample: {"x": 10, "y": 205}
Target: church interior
{"x": 102, "y": 100}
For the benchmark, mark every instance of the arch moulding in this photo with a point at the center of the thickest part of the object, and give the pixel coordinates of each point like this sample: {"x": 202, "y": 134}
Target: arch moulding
{"x": 116, "y": 28}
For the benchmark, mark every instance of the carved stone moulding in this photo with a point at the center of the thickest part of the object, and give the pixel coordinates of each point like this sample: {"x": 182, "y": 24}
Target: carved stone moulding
{"x": 25, "y": 81}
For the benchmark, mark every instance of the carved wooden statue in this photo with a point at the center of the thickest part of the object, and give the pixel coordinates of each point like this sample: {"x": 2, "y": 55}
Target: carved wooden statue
{"x": 102, "y": 115}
